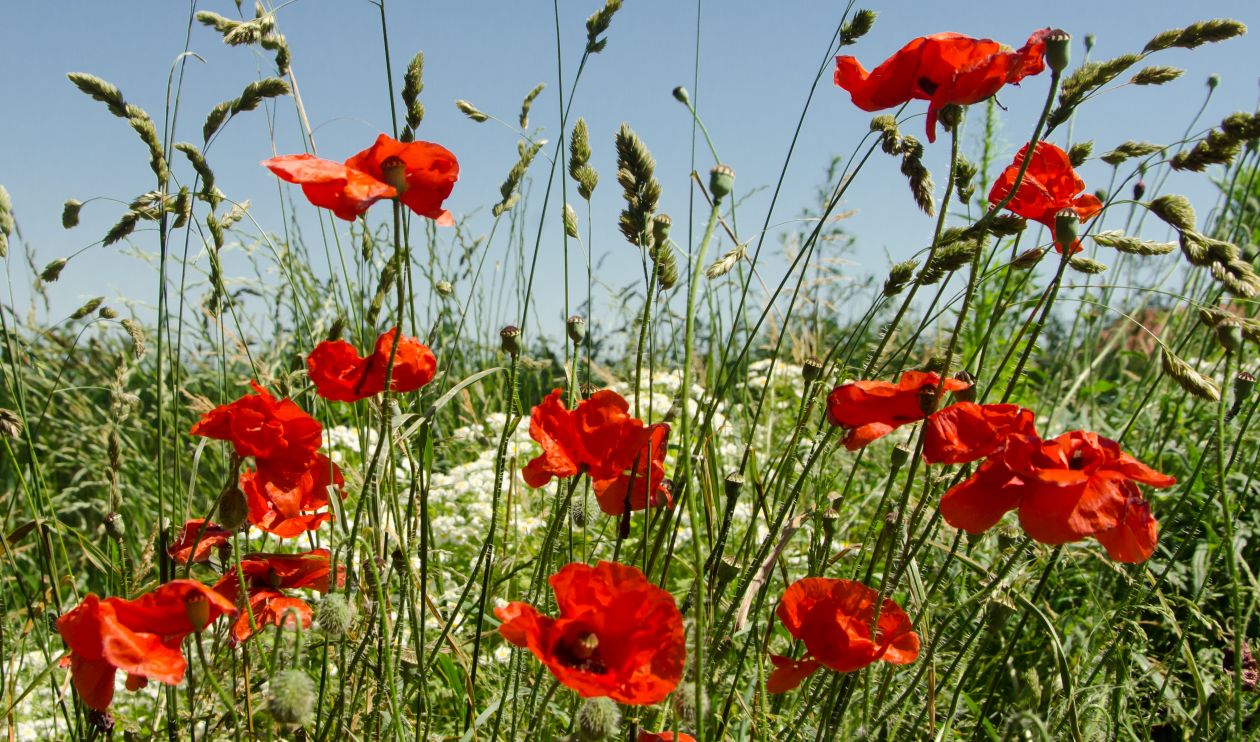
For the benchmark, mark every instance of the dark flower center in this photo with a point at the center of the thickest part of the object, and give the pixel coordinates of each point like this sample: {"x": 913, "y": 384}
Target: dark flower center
{"x": 928, "y": 86}
{"x": 581, "y": 652}
{"x": 1076, "y": 461}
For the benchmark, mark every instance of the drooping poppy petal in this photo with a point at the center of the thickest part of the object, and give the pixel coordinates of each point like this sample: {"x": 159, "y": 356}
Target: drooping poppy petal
{"x": 833, "y": 618}
{"x": 1050, "y": 185}
{"x": 872, "y": 409}
{"x": 649, "y": 478}
{"x": 347, "y": 191}
{"x": 428, "y": 173}
{"x": 944, "y": 68}
{"x": 966, "y": 431}
{"x": 977, "y": 504}
{"x": 270, "y": 608}
{"x": 617, "y": 634}
{"x": 1133, "y": 539}
{"x": 340, "y": 374}
{"x": 212, "y": 536}
{"x": 551, "y": 425}
{"x": 789, "y": 673}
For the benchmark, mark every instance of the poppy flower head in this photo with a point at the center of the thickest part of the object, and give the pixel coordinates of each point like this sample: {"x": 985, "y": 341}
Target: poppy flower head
{"x": 1050, "y": 185}
{"x": 346, "y": 191}
{"x": 650, "y": 486}
{"x": 833, "y": 618}
{"x": 646, "y": 736}
{"x": 599, "y": 437}
{"x": 211, "y": 537}
{"x": 944, "y": 69}
{"x": 340, "y": 374}
{"x": 617, "y": 634}
{"x": 267, "y": 576}
{"x": 260, "y": 426}
{"x": 872, "y": 409}
{"x": 966, "y": 431}
{"x": 286, "y": 508}
{"x": 423, "y": 173}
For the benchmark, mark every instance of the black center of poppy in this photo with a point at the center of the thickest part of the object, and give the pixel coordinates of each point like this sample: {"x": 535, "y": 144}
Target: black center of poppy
{"x": 1076, "y": 461}
{"x": 928, "y": 86}
{"x": 581, "y": 652}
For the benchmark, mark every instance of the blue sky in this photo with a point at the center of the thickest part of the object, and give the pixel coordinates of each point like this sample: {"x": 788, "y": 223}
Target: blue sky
{"x": 757, "y": 61}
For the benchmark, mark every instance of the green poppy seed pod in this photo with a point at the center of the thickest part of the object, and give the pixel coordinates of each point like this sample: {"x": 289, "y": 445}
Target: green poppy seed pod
{"x": 928, "y": 401}
{"x": 1101, "y": 194}
{"x": 577, "y": 513}
{"x": 598, "y": 719}
{"x": 1229, "y": 335}
{"x": 444, "y": 288}
{"x": 588, "y": 389}
{"x": 727, "y": 568}
{"x": 1008, "y": 536}
{"x": 394, "y": 173}
{"x": 721, "y": 181}
{"x": 291, "y": 698}
{"x": 115, "y": 528}
{"x": 680, "y": 95}
{"x": 830, "y": 519}
{"x": 233, "y": 508}
{"x": 197, "y": 610}
{"x": 812, "y": 369}
{"x": 1244, "y": 385}
{"x": 335, "y": 615}
{"x": 733, "y": 484}
{"x": 1028, "y": 258}
{"x": 900, "y": 455}
{"x": 969, "y": 393}
{"x": 1067, "y": 224}
{"x": 1059, "y": 49}
{"x": 576, "y": 327}
{"x": 951, "y": 116}
{"x": 660, "y": 228}
{"x": 510, "y": 340}
{"x": 1213, "y": 80}
{"x": 1089, "y": 42}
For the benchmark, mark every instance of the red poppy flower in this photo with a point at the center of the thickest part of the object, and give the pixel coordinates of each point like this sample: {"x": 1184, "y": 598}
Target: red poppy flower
{"x": 419, "y": 174}
{"x": 340, "y": 374}
{"x": 646, "y": 736}
{"x": 943, "y": 68}
{"x": 259, "y": 426}
{"x": 966, "y": 431}
{"x": 1049, "y": 186}
{"x": 618, "y": 635}
{"x": 266, "y": 577}
{"x": 212, "y": 537}
{"x": 649, "y": 477}
{"x": 140, "y": 637}
{"x": 289, "y": 508}
{"x": 833, "y": 618}
{"x": 873, "y": 409}
{"x": 599, "y": 437}
{"x": 1066, "y": 489}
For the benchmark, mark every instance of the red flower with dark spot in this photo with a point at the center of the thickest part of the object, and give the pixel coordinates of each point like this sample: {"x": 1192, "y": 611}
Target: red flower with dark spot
{"x": 267, "y": 576}
{"x": 288, "y": 509}
{"x": 1049, "y": 186}
{"x": 260, "y": 426}
{"x": 419, "y": 174}
{"x": 340, "y": 374}
{"x": 598, "y": 437}
{"x": 873, "y": 409}
{"x": 648, "y": 476}
{"x": 966, "y": 431}
{"x": 617, "y": 635}
{"x": 833, "y": 618}
{"x": 140, "y": 637}
{"x": 1067, "y": 489}
{"x": 211, "y": 537}
{"x": 943, "y": 68}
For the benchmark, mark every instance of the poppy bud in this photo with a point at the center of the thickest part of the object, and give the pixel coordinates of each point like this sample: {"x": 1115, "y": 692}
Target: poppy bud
{"x": 733, "y": 484}
{"x": 900, "y": 455}
{"x": 576, "y": 327}
{"x": 1213, "y": 80}
{"x": 577, "y": 513}
{"x": 811, "y": 369}
{"x": 660, "y": 228}
{"x": 1229, "y": 335}
{"x": 335, "y": 615}
{"x": 1139, "y": 190}
{"x": 225, "y": 552}
{"x": 968, "y": 394}
{"x": 444, "y": 288}
{"x": 1028, "y": 258}
{"x": 951, "y": 116}
{"x": 197, "y": 610}
{"x": 1059, "y": 49}
{"x": 233, "y": 509}
{"x": 291, "y": 698}
{"x": 680, "y": 95}
{"x": 1066, "y": 225}
{"x": 683, "y": 700}
{"x": 598, "y": 719}
{"x": 114, "y": 526}
{"x": 1101, "y": 194}
{"x": 721, "y": 181}
{"x": 509, "y": 340}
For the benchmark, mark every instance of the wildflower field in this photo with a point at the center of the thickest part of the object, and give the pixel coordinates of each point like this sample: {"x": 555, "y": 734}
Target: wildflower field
{"x": 639, "y": 450}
